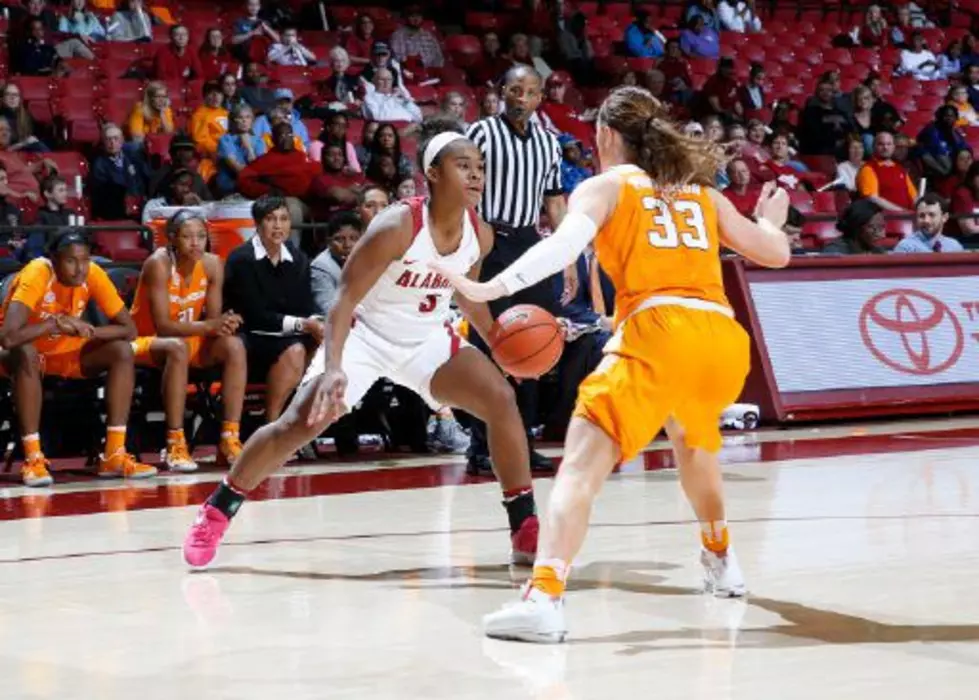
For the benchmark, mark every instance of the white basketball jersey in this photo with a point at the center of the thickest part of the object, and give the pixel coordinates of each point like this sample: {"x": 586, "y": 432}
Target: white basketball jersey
{"x": 410, "y": 301}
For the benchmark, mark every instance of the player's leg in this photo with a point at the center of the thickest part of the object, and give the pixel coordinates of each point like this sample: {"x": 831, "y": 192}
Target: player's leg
{"x": 695, "y": 434}
{"x": 23, "y": 366}
{"x": 170, "y": 354}
{"x": 470, "y": 381}
{"x": 269, "y": 448}
{"x": 115, "y": 358}
{"x": 283, "y": 378}
{"x": 620, "y": 408}
{"x": 228, "y": 352}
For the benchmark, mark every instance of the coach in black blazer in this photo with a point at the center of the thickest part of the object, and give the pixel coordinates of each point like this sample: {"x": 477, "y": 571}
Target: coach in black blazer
{"x": 267, "y": 281}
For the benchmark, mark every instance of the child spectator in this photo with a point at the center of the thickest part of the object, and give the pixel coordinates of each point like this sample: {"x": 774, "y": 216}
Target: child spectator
{"x": 574, "y": 170}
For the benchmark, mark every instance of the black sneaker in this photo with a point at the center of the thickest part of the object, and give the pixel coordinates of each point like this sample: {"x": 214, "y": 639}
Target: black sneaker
{"x": 479, "y": 465}
{"x": 540, "y": 463}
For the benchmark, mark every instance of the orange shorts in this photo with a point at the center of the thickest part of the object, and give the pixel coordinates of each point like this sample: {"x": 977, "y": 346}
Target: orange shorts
{"x": 65, "y": 359}
{"x": 141, "y": 349}
{"x": 662, "y": 362}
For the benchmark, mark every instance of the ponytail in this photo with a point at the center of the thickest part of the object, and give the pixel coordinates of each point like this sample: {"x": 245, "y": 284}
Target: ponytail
{"x": 659, "y": 147}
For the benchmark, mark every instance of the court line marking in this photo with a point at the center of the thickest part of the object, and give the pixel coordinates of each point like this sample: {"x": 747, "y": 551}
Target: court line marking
{"x": 470, "y": 531}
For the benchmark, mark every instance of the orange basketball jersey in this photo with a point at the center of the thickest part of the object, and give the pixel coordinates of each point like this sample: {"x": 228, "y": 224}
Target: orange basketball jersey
{"x": 187, "y": 298}
{"x": 652, "y": 246}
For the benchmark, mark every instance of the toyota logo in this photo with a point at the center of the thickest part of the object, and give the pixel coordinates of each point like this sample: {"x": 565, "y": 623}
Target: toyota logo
{"x": 911, "y": 331}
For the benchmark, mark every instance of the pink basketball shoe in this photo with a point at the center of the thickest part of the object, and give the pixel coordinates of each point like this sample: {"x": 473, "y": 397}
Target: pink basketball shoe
{"x": 205, "y": 535}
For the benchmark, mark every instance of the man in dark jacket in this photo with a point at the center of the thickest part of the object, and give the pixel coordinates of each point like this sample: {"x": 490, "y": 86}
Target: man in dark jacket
{"x": 115, "y": 176}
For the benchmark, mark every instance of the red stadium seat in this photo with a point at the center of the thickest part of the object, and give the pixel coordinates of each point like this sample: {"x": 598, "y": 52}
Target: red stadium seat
{"x": 465, "y": 49}
{"x": 824, "y": 202}
{"x": 70, "y": 164}
{"x": 40, "y": 111}
{"x": 899, "y": 227}
{"x": 122, "y": 246}
{"x": 33, "y": 88}
{"x": 820, "y": 164}
{"x": 612, "y": 65}
{"x": 449, "y": 75}
{"x": 801, "y": 200}
{"x": 83, "y": 132}
{"x": 824, "y": 230}
{"x": 929, "y": 103}
{"x": 841, "y": 57}
{"x": 482, "y": 22}
{"x": 75, "y": 107}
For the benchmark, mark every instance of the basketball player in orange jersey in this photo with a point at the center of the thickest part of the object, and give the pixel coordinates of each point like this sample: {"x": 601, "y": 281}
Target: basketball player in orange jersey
{"x": 178, "y": 316}
{"x": 677, "y": 357}
{"x": 43, "y": 334}
{"x": 390, "y": 319}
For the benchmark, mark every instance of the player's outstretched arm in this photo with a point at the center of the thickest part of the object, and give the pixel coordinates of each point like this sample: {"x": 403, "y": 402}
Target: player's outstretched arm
{"x": 387, "y": 238}
{"x": 588, "y": 209}
{"x": 478, "y": 312}
{"x": 764, "y": 242}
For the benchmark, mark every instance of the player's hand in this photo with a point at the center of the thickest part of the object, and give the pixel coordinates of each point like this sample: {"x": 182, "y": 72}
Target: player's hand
{"x": 230, "y": 322}
{"x": 69, "y": 325}
{"x": 315, "y": 327}
{"x": 213, "y": 327}
{"x": 773, "y": 205}
{"x": 328, "y": 401}
{"x": 471, "y": 289}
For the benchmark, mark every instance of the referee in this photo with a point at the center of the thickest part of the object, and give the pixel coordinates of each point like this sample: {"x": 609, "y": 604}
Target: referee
{"x": 523, "y": 174}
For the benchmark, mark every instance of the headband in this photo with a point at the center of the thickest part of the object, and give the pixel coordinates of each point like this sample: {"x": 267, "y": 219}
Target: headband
{"x": 435, "y": 146}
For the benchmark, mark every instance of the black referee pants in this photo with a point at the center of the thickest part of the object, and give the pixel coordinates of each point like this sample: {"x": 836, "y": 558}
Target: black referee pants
{"x": 508, "y": 245}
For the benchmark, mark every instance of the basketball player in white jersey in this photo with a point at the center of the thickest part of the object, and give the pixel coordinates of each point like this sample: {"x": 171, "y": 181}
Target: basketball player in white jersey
{"x": 390, "y": 320}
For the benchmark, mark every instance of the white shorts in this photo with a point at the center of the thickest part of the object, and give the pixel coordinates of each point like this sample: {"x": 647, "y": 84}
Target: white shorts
{"x": 367, "y": 357}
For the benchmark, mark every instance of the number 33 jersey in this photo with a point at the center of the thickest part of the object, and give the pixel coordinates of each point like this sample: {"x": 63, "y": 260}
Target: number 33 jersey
{"x": 410, "y": 301}
{"x": 660, "y": 243}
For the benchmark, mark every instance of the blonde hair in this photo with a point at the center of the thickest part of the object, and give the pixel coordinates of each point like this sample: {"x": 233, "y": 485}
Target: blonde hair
{"x": 152, "y": 87}
{"x": 656, "y": 144}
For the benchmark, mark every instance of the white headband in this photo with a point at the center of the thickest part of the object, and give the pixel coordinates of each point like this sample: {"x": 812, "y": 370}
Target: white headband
{"x": 435, "y": 146}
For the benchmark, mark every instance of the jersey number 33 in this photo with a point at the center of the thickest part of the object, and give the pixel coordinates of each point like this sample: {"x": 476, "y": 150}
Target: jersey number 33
{"x": 682, "y": 226}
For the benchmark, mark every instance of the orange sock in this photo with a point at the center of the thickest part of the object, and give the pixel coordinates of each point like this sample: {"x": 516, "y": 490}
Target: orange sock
{"x": 549, "y": 577}
{"x": 32, "y": 445}
{"x": 115, "y": 439}
{"x": 230, "y": 429}
{"x": 714, "y": 536}
{"x": 175, "y": 437}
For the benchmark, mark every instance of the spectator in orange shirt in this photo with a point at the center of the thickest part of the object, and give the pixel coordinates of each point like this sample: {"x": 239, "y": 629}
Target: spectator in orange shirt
{"x": 884, "y": 180}
{"x": 153, "y": 115}
{"x": 176, "y": 61}
{"x": 43, "y": 334}
{"x": 208, "y": 124}
{"x": 179, "y": 318}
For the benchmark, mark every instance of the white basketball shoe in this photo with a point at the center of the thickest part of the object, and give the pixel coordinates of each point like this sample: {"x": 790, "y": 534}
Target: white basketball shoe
{"x": 722, "y": 574}
{"x": 536, "y": 617}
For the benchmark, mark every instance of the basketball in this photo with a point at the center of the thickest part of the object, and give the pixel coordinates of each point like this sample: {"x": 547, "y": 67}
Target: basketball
{"x": 526, "y": 341}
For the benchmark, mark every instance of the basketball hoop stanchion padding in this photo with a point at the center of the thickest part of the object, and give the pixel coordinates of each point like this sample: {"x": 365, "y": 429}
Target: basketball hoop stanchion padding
{"x": 860, "y": 336}
{"x": 229, "y": 224}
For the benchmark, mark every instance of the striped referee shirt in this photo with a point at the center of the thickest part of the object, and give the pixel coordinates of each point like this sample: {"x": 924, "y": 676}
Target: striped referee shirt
{"x": 520, "y": 170}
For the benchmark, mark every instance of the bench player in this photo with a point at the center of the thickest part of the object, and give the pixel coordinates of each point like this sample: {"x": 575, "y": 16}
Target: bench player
{"x": 390, "y": 320}
{"x": 677, "y": 357}
{"x": 177, "y": 311}
{"x": 43, "y": 334}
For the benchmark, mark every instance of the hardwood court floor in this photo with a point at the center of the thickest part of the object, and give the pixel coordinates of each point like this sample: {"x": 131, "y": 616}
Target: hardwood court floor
{"x": 368, "y": 580}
